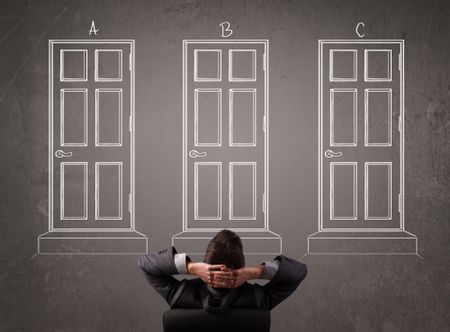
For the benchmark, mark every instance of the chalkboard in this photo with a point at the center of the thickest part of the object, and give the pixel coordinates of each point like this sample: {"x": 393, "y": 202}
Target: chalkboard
{"x": 326, "y": 123}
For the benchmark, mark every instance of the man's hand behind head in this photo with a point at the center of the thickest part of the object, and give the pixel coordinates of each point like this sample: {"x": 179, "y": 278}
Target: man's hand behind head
{"x": 227, "y": 278}
{"x": 204, "y": 271}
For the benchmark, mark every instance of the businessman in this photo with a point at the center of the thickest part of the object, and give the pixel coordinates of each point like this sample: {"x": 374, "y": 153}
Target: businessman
{"x": 222, "y": 277}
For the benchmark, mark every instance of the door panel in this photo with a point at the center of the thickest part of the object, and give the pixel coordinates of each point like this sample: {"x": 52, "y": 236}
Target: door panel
{"x": 108, "y": 190}
{"x": 343, "y": 117}
{"x": 242, "y": 117}
{"x": 243, "y": 190}
{"x": 224, "y": 137}
{"x": 91, "y": 135}
{"x": 74, "y": 116}
{"x": 108, "y": 65}
{"x": 207, "y": 117}
{"x": 361, "y": 142}
{"x": 74, "y": 191}
{"x": 343, "y": 190}
{"x": 108, "y": 117}
{"x": 378, "y": 117}
{"x": 378, "y": 190}
{"x": 208, "y": 191}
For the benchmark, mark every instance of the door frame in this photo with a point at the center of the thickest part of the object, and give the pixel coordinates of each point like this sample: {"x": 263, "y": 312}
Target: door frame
{"x": 401, "y": 204}
{"x": 131, "y": 197}
{"x": 265, "y": 200}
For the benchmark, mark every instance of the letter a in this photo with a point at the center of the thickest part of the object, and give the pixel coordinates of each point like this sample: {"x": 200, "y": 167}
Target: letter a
{"x": 93, "y": 29}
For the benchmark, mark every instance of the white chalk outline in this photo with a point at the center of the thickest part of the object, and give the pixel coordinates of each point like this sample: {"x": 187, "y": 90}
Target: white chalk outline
{"x": 367, "y": 93}
{"x": 400, "y": 44}
{"x": 379, "y": 236}
{"x": 354, "y": 165}
{"x": 231, "y": 78}
{"x": 366, "y": 66}
{"x": 231, "y": 93}
{"x": 264, "y": 233}
{"x": 354, "y": 78}
{"x": 366, "y": 189}
{"x": 62, "y": 93}
{"x": 119, "y": 69}
{"x": 129, "y": 43}
{"x": 62, "y": 167}
{"x": 219, "y": 66}
{"x": 198, "y": 91}
{"x": 62, "y": 78}
{"x": 98, "y": 91}
{"x": 97, "y": 192}
{"x": 275, "y": 237}
{"x": 355, "y": 116}
{"x": 47, "y": 236}
{"x": 197, "y": 164}
{"x": 231, "y": 190}
{"x": 188, "y": 233}
{"x": 377, "y": 232}
{"x": 126, "y": 43}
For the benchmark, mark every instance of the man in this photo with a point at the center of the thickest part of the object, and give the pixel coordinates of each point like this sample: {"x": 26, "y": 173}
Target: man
{"x": 222, "y": 277}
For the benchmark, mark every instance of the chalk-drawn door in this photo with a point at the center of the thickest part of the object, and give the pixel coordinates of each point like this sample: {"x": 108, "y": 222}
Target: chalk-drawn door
{"x": 224, "y": 140}
{"x": 91, "y": 136}
{"x": 362, "y": 141}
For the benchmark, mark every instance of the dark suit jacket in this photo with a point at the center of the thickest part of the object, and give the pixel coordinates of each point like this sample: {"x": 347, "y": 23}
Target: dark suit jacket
{"x": 195, "y": 294}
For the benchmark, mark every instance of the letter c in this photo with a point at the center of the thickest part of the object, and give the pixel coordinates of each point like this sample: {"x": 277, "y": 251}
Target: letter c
{"x": 357, "y": 29}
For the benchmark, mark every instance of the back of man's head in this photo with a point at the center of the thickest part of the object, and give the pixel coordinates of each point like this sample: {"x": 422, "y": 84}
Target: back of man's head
{"x": 225, "y": 248}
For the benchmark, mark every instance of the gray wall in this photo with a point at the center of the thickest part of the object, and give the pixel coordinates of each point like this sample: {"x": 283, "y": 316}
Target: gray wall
{"x": 108, "y": 293}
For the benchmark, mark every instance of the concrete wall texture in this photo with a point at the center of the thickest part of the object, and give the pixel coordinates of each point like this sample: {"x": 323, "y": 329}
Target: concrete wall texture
{"x": 108, "y": 293}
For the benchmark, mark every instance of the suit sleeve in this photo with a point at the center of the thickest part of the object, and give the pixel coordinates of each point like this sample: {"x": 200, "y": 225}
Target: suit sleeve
{"x": 286, "y": 280}
{"x": 158, "y": 269}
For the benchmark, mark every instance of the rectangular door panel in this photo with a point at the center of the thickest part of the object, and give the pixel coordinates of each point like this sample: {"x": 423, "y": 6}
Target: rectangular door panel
{"x": 207, "y": 191}
{"x": 73, "y": 191}
{"x": 108, "y": 117}
{"x": 108, "y": 190}
{"x": 108, "y": 65}
{"x": 343, "y": 117}
{"x": 242, "y": 190}
{"x": 343, "y": 191}
{"x": 208, "y": 117}
{"x": 378, "y": 190}
{"x": 73, "y": 64}
{"x": 243, "y": 112}
{"x": 378, "y": 117}
{"x": 74, "y": 117}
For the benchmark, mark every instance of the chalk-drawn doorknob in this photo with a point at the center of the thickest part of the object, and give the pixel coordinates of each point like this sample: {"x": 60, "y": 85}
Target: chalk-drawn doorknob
{"x": 332, "y": 154}
{"x": 196, "y": 154}
{"x": 62, "y": 154}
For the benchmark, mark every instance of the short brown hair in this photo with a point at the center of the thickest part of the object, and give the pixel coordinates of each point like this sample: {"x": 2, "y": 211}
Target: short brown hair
{"x": 225, "y": 248}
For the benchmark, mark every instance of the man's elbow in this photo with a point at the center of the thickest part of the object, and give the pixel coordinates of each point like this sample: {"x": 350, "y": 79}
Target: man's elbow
{"x": 143, "y": 263}
{"x": 305, "y": 270}
{"x": 302, "y": 272}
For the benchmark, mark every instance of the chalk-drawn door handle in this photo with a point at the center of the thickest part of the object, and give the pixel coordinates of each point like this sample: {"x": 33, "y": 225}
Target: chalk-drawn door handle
{"x": 196, "y": 154}
{"x": 332, "y": 154}
{"x": 62, "y": 154}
